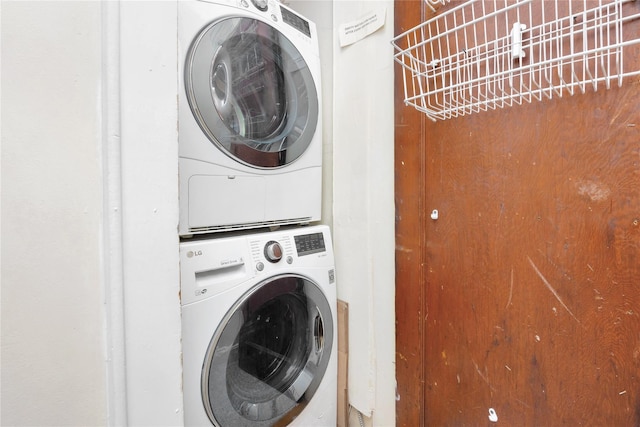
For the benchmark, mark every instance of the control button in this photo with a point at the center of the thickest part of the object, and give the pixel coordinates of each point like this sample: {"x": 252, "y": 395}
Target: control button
{"x": 261, "y": 4}
{"x": 260, "y": 266}
{"x": 289, "y": 260}
{"x": 273, "y": 251}
{"x": 274, "y": 18}
{"x": 244, "y": 3}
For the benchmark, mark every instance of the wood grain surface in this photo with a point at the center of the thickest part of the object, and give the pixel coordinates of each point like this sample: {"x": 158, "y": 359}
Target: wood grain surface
{"x": 410, "y": 246}
{"x": 524, "y": 295}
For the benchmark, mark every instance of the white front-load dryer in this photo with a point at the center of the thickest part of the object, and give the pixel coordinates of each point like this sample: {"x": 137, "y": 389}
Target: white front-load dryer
{"x": 250, "y": 131}
{"x": 259, "y": 329}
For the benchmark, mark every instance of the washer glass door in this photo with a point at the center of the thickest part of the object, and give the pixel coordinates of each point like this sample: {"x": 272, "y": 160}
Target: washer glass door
{"x": 251, "y": 92}
{"x": 267, "y": 358}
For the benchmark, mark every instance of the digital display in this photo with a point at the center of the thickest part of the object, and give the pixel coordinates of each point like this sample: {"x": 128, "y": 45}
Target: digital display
{"x": 309, "y": 244}
{"x": 295, "y": 21}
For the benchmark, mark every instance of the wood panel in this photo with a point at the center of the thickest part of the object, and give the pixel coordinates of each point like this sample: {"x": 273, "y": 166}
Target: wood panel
{"x": 410, "y": 283}
{"x": 524, "y": 296}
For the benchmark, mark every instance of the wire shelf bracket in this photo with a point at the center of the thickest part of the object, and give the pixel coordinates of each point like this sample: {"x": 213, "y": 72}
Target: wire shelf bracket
{"x": 490, "y": 54}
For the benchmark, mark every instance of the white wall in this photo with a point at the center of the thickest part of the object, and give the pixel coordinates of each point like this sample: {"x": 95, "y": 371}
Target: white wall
{"x": 53, "y": 369}
{"x": 364, "y": 211}
{"x": 89, "y": 214}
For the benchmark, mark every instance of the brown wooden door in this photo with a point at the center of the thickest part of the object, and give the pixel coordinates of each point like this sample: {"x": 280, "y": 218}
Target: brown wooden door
{"x": 524, "y": 295}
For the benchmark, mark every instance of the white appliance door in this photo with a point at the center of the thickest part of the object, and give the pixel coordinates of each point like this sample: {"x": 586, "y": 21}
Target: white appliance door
{"x": 251, "y": 92}
{"x": 268, "y": 357}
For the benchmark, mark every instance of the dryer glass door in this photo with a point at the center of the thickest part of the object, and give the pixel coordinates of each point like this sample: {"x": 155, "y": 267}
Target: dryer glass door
{"x": 269, "y": 356}
{"x": 251, "y": 92}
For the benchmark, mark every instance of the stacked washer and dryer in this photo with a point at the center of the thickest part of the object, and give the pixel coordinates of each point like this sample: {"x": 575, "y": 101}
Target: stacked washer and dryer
{"x": 257, "y": 279}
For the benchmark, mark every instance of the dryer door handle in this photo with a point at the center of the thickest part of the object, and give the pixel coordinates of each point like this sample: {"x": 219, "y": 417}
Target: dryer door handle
{"x": 318, "y": 332}
{"x": 221, "y": 83}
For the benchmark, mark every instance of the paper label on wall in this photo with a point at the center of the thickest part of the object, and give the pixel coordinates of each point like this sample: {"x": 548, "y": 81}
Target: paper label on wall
{"x": 355, "y": 31}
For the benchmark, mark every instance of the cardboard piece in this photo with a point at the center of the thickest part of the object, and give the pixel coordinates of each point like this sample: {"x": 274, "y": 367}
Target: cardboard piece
{"x": 343, "y": 364}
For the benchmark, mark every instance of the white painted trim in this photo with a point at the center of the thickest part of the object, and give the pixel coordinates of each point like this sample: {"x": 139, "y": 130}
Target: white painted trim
{"x": 112, "y": 233}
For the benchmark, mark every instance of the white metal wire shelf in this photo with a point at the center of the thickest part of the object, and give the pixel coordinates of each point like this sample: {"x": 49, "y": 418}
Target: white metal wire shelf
{"x": 489, "y": 54}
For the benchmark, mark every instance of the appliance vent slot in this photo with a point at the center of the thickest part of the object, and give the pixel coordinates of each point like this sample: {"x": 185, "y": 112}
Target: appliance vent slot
{"x": 250, "y": 225}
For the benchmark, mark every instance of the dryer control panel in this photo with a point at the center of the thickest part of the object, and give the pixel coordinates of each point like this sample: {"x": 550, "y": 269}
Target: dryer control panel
{"x": 308, "y": 244}
{"x": 279, "y": 12}
{"x": 295, "y": 21}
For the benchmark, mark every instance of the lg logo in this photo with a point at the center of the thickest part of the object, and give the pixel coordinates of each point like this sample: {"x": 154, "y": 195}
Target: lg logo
{"x": 191, "y": 254}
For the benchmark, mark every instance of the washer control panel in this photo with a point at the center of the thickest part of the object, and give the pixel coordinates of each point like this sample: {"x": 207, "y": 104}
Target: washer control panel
{"x": 273, "y": 251}
{"x": 212, "y": 266}
{"x": 286, "y": 249}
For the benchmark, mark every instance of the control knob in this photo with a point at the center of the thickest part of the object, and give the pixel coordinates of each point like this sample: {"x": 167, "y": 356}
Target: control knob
{"x": 262, "y": 5}
{"x": 273, "y": 251}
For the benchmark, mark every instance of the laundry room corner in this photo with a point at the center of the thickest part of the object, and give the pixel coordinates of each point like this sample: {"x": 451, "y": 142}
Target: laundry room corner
{"x": 363, "y": 205}
{"x": 91, "y": 273}
{"x": 357, "y": 203}
{"x": 358, "y": 195}
{"x": 364, "y": 210}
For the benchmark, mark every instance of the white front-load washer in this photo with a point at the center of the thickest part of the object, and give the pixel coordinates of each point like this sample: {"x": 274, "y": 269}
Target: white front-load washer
{"x": 249, "y": 130}
{"x": 259, "y": 329}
